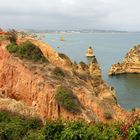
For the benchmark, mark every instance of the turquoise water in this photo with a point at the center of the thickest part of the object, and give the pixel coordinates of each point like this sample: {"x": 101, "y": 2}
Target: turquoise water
{"x": 109, "y": 48}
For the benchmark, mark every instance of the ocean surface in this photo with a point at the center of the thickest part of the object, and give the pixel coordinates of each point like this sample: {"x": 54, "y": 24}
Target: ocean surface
{"x": 109, "y": 48}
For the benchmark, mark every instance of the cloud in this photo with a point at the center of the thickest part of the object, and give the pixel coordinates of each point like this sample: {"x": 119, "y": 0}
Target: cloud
{"x": 70, "y": 14}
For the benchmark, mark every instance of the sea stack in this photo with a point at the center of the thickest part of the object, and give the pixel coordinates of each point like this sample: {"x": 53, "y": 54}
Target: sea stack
{"x": 62, "y": 38}
{"x": 130, "y": 64}
{"x": 90, "y": 52}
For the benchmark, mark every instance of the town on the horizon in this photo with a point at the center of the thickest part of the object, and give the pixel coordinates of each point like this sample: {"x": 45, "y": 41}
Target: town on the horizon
{"x": 70, "y": 30}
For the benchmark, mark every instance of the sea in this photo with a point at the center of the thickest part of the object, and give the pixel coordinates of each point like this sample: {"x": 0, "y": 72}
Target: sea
{"x": 109, "y": 48}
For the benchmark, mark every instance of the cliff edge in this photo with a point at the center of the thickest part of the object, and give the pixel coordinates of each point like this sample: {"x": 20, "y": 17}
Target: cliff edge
{"x": 57, "y": 89}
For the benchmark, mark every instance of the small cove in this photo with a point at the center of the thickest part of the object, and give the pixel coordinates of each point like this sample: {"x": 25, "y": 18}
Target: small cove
{"x": 109, "y": 48}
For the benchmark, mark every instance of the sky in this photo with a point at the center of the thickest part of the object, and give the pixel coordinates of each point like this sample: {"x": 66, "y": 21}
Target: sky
{"x": 70, "y": 14}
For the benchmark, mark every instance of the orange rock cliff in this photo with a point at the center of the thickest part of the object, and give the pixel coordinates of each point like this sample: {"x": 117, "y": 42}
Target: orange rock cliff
{"x": 29, "y": 88}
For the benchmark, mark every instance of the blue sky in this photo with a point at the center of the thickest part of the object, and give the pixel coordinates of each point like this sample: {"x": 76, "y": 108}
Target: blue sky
{"x": 70, "y": 14}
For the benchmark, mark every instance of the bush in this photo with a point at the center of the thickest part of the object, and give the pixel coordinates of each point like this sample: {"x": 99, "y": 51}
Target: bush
{"x": 12, "y": 36}
{"x": 4, "y": 116}
{"x": 28, "y": 51}
{"x": 103, "y": 132}
{"x": 65, "y": 57}
{"x": 75, "y": 131}
{"x": 52, "y": 130}
{"x": 34, "y": 135}
{"x": 14, "y": 127}
{"x": 12, "y": 48}
{"x": 134, "y": 131}
{"x": 58, "y": 73}
{"x": 108, "y": 115}
{"x": 67, "y": 99}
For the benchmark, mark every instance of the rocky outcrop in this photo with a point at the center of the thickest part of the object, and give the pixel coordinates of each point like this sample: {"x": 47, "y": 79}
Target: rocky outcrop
{"x": 130, "y": 64}
{"x": 90, "y": 52}
{"x": 34, "y": 85}
{"x": 48, "y": 52}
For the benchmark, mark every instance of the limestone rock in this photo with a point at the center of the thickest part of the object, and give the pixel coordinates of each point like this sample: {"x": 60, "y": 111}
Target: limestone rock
{"x": 90, "y": 52}
{"x": 130, "y": 64}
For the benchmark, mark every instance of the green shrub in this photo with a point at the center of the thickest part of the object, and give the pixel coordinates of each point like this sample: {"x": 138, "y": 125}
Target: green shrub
{"x": 134, "y": 131}
{"x": 34, "y": 135}
{"x": 4, "y": 116}
{"x": 75, "y": 131}
{"x": 102, "y": 132}
{"x": 53, "y": 129}
{"x": 107, "y": 115}
{"x": 28, "y": 51}
{"x": 65, "y": 57}
{"x": 67, "y": 99}
{"x": 12, "y": 48}
{"x": 13, "y": 127}
{"x": 58, "y": 73}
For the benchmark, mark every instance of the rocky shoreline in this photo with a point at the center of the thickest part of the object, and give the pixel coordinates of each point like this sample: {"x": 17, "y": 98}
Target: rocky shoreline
{"x": 130, "y": 64}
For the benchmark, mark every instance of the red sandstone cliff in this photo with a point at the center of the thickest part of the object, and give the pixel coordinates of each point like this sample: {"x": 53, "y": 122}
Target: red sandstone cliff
{"x": 29, "y": 88}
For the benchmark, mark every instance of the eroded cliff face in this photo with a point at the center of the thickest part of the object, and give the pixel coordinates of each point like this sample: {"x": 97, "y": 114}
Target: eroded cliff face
{"x": 130, "y": 64}
{"x": 33, "y": 85}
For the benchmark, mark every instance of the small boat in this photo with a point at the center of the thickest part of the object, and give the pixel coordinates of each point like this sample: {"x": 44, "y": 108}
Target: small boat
{"x": 58, "y": 47}
{"x": 90, "y": 52}
{"x": 62, "y": 38}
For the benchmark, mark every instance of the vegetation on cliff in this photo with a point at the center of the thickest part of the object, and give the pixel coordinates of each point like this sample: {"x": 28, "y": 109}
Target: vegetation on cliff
{"x": 13, "y": 127}
{"x": 65, "y": 57}
{"x": 58, "y": 73}
{"x": 2, "y": 38}
{"x": 12, "y": 36}
{"x": 67, "y": 99}
{"x": 28, "y": 51}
